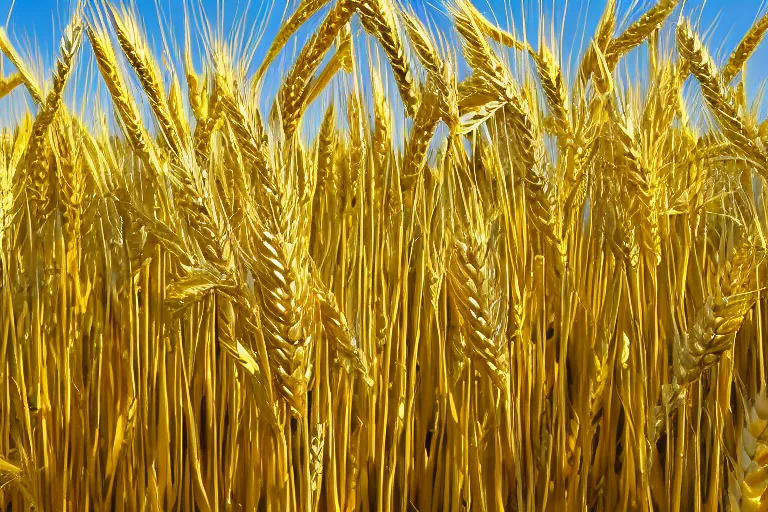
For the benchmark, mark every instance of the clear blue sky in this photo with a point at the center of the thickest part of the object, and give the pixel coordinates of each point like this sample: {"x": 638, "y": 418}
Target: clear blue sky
{"x": 41, "y": 20}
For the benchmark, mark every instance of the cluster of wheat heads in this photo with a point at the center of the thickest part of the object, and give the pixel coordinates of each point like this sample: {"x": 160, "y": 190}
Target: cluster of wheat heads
{"x": 481, "y": 282}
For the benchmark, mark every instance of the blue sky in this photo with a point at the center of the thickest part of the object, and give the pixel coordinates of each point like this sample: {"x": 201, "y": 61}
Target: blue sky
{"x": 41, "y": 21}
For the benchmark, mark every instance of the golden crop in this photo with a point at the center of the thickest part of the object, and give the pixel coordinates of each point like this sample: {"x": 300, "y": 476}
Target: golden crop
{"x": 478, "y": 283}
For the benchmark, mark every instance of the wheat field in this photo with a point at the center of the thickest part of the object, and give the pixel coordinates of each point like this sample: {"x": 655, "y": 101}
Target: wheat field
{"x": 476, "y": 273}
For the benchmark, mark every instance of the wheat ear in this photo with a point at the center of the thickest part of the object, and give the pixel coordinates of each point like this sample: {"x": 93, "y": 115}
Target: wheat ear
{"x": 343, "y": 340}
{"x": 603, "y": 35}
{"x": 34, "y": 154}
{"x": 303, "y": 12}
{"x": 342, "y": 59}
{"x": 139, "y": 56}
{"x": 486, "y": 27}
{"x": 29, "y": 80}
{"x": 418, "y": 141}
{"x": 745, "y": 49}
{"x": 378, "y": 19}
{"x": 552, "y": 82}
{"x": 749, "y": 489}
{"x": 741, "y": 135}
{"x": 719, "y": 318}
{"x": 124, "y": 102}
{"x": 639, "y": 31}
{"x": 471, "y": 283}
{"x": 7, "y": 85}
{"x": 293, "y": 95}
